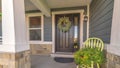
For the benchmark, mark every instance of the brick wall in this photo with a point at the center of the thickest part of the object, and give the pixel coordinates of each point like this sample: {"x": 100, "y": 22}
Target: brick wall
{"x": 41, "y": 49}
{"x": 15, "y": 60}
{"x": 113, "y": 61}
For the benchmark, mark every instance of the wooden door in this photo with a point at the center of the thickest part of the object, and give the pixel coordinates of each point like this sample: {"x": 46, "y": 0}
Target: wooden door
{"x": 64, "y": 41}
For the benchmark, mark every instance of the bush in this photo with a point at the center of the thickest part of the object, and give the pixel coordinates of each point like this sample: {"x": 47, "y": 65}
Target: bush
{"x": 86, "y": 55}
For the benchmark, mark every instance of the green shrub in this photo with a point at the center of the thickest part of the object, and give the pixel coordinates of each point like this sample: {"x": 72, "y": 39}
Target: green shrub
{"x": 86, "y": 55}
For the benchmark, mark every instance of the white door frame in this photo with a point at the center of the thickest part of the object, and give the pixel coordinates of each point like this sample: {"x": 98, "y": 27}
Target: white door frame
{"x": 67, "y": 12}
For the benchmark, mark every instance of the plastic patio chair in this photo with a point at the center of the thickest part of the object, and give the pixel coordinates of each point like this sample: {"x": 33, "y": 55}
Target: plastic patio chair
{"x": 92, "y": 43}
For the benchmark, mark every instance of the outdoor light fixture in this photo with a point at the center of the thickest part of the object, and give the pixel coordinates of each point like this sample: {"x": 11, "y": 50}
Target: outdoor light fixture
{"x": 85, "y": 18}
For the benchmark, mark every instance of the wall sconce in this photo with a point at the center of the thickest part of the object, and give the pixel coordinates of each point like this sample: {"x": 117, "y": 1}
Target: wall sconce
{"x": 85, "y": 18}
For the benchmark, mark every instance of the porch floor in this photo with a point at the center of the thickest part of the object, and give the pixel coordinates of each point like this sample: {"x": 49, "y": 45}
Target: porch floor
{"x": 48, "y": 62}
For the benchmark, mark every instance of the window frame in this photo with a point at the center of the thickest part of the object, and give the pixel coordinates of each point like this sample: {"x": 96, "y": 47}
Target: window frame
{"x": 41, "y": 28}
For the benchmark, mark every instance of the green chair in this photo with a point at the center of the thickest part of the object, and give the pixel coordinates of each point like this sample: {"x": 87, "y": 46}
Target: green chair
{"x": 93, "y": 43}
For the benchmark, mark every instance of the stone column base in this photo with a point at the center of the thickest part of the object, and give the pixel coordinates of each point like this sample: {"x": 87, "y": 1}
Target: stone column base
{"x": 15, "y": 60}
{"x": 113, "y": 61}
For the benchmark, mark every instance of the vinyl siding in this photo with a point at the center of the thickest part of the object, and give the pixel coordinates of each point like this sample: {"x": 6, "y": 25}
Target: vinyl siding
{"x": 101, "y": 12}
{"x": 84, "y": 31}
{"x": 48, "y": 21}
{"x": 47, "y": 29}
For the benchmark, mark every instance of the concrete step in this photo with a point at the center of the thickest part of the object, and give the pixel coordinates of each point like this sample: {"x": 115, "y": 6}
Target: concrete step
{"x": 63, "y": 54}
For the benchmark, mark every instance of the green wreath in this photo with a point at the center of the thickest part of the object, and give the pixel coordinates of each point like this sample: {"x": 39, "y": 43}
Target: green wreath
{"x": 64, "y": 24}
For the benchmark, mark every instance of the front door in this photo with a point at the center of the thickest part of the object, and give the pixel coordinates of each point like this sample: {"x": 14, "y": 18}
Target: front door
{"x": 67, "y": 41}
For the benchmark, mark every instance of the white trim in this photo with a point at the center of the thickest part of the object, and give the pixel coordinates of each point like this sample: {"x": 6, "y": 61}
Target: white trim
{"x": 33, "y": 14}
{"x": 66, "y": 12}
{"x": 114, "y": 49}
{"x": 62, "y": 55}
{"x": 88, "y": 22}
{"x": 38, "y": 42}
{"x": 53, "y": 33}
{"x": 34, "y": 28}
{"x": 42, "y": 27}
{"x": 114, "y": 46}
{"x": 81, "y": 28}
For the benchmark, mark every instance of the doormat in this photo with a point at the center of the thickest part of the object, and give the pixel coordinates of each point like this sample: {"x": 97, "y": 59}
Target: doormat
{"x": 63, "y": 60}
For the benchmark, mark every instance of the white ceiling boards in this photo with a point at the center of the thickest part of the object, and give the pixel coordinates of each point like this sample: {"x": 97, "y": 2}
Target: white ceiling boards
{"x": 67, "y": 3}
{"x": 58, "y": 3}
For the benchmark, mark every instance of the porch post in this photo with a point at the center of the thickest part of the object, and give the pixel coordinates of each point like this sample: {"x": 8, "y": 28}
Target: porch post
{"x": 114, "y": 46}
{"x": 113, "y": 50}
{"x": 14, "y": 49}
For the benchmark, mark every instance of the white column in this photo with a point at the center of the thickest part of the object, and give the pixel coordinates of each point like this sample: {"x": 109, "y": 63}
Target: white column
{"x": 115, "y": 31}
{"x": 14, "y": 31}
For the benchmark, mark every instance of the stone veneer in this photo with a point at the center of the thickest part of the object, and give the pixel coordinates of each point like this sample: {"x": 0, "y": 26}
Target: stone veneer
{"x": 113, "y": 61}
{"x": 15, "y": 60}
{"x": 104, "y": 65}
{"x": 41, "y": 49}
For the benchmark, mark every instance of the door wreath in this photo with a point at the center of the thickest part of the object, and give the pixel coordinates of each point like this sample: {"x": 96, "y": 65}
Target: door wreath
{"x": 64, "y": 24}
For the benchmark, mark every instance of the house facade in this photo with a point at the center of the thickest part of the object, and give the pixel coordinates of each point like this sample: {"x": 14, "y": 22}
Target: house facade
{"x": 31, "y": 27}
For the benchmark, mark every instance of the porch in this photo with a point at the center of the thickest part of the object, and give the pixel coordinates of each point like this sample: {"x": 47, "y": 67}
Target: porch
{"x": 30, "y": 27}
{"x": 48, "y": 62}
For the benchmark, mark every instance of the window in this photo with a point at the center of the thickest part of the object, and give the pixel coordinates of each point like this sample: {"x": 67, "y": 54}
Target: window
{"x": 35, "y": 28}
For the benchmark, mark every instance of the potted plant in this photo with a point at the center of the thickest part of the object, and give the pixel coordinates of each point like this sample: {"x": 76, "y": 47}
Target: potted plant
{"x": 76, "y": 46}
{"x": 86, "y": 56}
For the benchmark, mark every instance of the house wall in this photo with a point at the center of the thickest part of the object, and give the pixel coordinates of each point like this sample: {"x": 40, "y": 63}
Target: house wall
{"x": 101, "y": 12}
{"x": 47, "y": 48}
{"x": 47, "y": 29}
{"x": 84, "y": 31}
{"x": 111, "y": 28}
{"x": 113, "y": 49}
{"x": 44, "y": 48}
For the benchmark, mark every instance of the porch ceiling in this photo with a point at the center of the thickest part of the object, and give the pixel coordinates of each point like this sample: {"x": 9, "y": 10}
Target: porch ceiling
{"x": 52, "y": 4}
{"x": 66, "y": 3}
{"x": 57, "y": 4}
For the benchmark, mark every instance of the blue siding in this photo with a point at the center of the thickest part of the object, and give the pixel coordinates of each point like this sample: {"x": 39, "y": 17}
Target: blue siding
{"x": 47, "y": 29}
{"x": 101, "y": 12}
{"x": 48, "y": 20}
{"x": 84, "y": 31}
